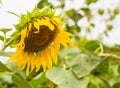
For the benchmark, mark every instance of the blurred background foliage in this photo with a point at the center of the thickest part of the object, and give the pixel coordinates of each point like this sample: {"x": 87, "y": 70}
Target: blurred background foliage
{"x": 89, "y": 63}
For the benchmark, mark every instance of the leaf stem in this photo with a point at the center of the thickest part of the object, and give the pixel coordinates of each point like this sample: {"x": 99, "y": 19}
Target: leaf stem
{"x": 109, "y": 55}
{"x": 105, "y": 54}
{"x": 6, "y": 44}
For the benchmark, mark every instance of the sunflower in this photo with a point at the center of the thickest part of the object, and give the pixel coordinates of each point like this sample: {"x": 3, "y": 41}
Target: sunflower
{"x": 40, "y": 39}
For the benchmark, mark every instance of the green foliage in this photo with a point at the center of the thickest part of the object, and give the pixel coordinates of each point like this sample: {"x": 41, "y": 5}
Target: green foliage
{"x": 103, "y": 67}
{"x": 5, "y": 30}
{"x": 65, "y": 78}
{"x": 109, "y": 27}
{"x": 39, "y": 81}
{"x": 1, "y": 86}
{"x": 92, "y": 45}
{"x": 101, "y": 11}
{"x": 97, "y": 82}
{"x": 3, "y": 68}
{"x": 87, "y": 12}
{"x": 20, "y": 81}
{"x": 88, "y": 2}
{"x": 74, "y": 15}
{"x": 43, "y": 3}
{"x": 83, "y": 64}
{"x": 1, "y": 38}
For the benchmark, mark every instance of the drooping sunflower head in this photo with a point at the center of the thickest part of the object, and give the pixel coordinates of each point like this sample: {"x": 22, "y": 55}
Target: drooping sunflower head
{"x": 40, "y": 39}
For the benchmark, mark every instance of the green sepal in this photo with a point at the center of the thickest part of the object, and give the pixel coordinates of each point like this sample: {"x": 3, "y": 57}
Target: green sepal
{"x": 24, "y": 19}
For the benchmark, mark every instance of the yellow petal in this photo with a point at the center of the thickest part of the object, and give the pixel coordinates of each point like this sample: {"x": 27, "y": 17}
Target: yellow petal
{"x": 28, "y": 28}
{"x": 53, "y": 53}
{"x": 23, "y": 33}
{"x": 56, "y": 21}
{"x": 16, "y": 54}
{"x": 30, "y": 64}
{"x": 28, "y": 69}
{"x": 46, "y": 22}
{"x": 48, "y": 58}
{"x": 57, "y": 44}
{"x": 43, "y": 63}
{"x": 32, "y": 61}
{"x": 25, "y": 57}
{"x": 38, "y": 62}
{"x": 20, "y": 60}
{"x": 64, "y": 40}
{"x": 37, "y": 26}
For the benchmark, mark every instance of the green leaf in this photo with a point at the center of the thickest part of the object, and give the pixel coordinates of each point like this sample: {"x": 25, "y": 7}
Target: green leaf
{"x": 88, "y": 2}
{"x": 74, "y": 15}
{"x": 3, "y": 68}
{"x": 98, "y": 82}
{"x": 116, "y": 11}
{"x": 37, "y": 81}
{"x": 66, "y": 78}
{"x": 83, "y": 64}
{"x": 5, "y": 30}
{"x": 20, "y": 81}
{"x": 1, "y": 38}
{"x": 43, "y": 3}
{"x": 76, "y": 28}
{"x": 119, "y": 68}
{"x": 116, "y": 85}
{"x": 87, "y": 12}
{"x": 109, "y": 27}
{"x": 92, "y": 25}
{"x": 92, "y": 45}
{"x": 103, "y": 67}
{"x": 101, "y": 11}
{"x": 1, "y": 86}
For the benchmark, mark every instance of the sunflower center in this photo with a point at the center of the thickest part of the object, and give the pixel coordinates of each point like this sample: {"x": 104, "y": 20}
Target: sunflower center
{"x": 36, "y": 42}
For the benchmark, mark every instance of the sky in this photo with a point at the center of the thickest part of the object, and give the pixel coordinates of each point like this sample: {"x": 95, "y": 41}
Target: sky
{"x": 21, "y": 6}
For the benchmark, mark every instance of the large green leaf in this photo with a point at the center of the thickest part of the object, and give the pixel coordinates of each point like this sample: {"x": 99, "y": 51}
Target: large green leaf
{"x": 38, "y": 80}
{"x": 3, "y": 68}
{"x": 66, "y": 78}
{"x": 83, "y": 64}
{"x": 98, "y": 82}
{"x": 20, "y": 81}
{"x": 92, "y": 45}
{"x": 103, "y": 67}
